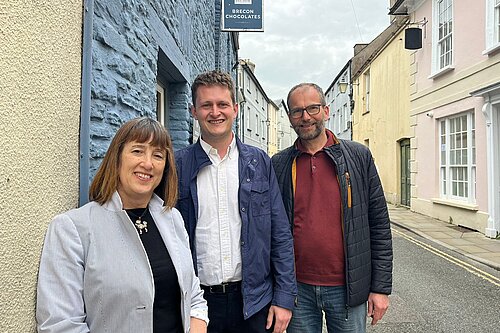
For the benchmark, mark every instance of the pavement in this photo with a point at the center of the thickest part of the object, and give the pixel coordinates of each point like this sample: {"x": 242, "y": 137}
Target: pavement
{"x": 469, "y": 243}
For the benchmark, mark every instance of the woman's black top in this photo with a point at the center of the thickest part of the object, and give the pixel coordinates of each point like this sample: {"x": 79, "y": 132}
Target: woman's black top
{"x": 167, "y": 303}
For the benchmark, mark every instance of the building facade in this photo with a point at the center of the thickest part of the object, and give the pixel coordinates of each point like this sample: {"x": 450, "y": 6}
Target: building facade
{"x": 339, "y": 99}
{"x": 454, "y": 111}
{"x": 272, "y": 113}
{"x": 70, "y": 74}
{"x": 40, "y": 72}
{"x": 380, "y": 120}
{"x": 253, "y": 120}
{"x": 144, "y": 56}
{"x": 286, "y": 135}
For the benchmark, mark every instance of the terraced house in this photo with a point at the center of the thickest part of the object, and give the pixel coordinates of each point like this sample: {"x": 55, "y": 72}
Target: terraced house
{"x": 455, "y": 111}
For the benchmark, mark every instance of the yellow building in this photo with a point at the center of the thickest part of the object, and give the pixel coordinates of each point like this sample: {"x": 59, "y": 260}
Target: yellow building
{"x": 380, "y": 119}
{"x": 272, "y": 129}
{"x": 40, "y": 75}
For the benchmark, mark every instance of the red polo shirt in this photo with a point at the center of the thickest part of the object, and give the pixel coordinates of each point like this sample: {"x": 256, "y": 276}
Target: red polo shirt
{"x": 318, "y": 239}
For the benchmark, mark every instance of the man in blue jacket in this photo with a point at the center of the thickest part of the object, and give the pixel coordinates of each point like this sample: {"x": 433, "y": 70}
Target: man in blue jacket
{"x": 238, "y": 230}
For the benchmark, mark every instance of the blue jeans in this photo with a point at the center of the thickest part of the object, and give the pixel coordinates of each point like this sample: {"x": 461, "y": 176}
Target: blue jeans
{"x": 314, "y": 300}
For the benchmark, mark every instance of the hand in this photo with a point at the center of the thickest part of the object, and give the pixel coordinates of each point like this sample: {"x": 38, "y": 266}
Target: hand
{"x": 198, "y": 325}
{"x": 377, "y": 306}
{"x": 281, "y": 317}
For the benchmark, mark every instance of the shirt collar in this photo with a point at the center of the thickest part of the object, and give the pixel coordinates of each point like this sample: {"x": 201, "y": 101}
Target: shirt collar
{"x": 211, "y": 151}
{"x": 330, "y": 141}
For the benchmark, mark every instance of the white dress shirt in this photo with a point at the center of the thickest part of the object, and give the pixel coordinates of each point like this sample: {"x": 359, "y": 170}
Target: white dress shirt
{"x": 218, "y": 231}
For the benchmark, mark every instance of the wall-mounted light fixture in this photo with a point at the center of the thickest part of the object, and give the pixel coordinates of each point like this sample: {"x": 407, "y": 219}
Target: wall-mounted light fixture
{"x": 343, "y": 86}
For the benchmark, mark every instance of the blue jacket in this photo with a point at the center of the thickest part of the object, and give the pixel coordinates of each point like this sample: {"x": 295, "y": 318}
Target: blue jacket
{"x": 266, "y": 239}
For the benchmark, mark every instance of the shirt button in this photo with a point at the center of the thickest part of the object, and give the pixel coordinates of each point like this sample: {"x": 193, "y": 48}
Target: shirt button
{"x": 243, "y": 209}
{"x": 248, "y": 180}
{"x": 242, "y": 243}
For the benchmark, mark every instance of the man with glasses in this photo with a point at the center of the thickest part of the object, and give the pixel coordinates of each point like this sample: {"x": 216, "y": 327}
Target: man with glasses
{"x": 336, "y": 207}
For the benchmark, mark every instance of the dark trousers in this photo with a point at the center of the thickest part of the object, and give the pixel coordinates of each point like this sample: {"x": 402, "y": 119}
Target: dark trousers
{"x": 225, "y": 312}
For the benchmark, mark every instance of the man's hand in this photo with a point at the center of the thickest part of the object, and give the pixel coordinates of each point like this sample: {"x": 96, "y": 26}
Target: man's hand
{"x": 377, "y": 306}
{"x": 281, "y": 317}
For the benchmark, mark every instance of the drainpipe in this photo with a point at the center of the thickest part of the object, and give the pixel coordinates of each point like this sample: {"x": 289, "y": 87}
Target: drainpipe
{"x": 88, "y": 13}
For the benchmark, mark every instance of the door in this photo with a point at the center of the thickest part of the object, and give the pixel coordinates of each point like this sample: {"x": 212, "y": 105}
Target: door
{"x": 405, "y": 172}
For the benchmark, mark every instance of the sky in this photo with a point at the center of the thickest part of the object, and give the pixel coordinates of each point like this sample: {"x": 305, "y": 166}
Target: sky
{"x": 309, "y": 40}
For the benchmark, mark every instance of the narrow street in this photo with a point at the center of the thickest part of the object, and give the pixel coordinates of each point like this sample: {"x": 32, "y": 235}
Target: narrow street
{"x": 436, "y": 290}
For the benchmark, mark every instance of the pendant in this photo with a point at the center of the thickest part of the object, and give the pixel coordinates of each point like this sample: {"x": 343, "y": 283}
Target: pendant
{"x": 139, "y": 224}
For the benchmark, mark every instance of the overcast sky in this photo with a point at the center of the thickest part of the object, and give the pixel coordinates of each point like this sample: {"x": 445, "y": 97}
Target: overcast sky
{"x": 309, "y": 40}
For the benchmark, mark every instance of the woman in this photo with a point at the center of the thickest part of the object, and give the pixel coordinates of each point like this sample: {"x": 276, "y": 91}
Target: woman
{"x": 122, "y": 263}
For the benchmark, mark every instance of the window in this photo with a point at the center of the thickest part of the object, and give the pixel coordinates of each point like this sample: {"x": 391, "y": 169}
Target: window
{"x": 257, "y": 125}
{"x": 345, "y": 110}
{"x": 442, "y": 34}
{"x": 497, "y": 21}
{"x": 247, "y": 120}
{"x": 367, "y": 91}
{"x": 458, "y": 158}
{"x": 492, "y": 25}
{"x": 160, "y": 105}
{"x": 247, "y": 83}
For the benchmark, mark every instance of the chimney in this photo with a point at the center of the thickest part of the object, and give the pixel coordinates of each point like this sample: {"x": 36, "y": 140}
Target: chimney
{"x": 250, "y": 64}
{"x": 358, "y": 48}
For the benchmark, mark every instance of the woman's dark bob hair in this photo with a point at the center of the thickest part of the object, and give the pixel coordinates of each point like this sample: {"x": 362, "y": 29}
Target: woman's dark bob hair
{"x": 141, "y": 130}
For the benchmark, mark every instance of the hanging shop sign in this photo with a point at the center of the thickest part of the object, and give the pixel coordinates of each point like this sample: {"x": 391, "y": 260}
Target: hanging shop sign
{"x": 242, "y": 15}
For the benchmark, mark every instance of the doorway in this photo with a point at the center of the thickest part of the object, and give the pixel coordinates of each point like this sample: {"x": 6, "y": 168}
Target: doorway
{"x": 405, "y": 172}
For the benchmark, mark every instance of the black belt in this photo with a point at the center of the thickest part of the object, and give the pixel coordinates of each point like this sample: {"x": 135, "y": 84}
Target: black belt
{"x": 226, "y": 287}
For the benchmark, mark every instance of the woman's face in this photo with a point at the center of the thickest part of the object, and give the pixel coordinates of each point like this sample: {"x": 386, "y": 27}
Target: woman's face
{"x": 141, "y": 170}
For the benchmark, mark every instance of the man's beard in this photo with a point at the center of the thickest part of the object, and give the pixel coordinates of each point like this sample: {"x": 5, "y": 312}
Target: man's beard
{"x": 319, "y": 128}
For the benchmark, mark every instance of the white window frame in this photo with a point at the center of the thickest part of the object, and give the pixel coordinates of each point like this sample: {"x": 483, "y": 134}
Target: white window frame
{"x": 492, "y": 28}
{"x": 442, "y": 61}
{"x": 346, "y": 117}
{"x": 247, "y": 119}
{"x": 248, "y": 84}
{"x": 161, "y": 110}
{"x": 367, "y": 91}
{"x": 457, "y": 179}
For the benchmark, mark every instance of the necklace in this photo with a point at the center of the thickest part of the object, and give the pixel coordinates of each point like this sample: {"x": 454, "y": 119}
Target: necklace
{"x": 139, "y": 223}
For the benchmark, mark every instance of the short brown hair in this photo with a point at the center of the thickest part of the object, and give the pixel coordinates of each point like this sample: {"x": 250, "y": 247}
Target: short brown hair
{"x": 321, "y": 94}
{"x": 213, "y": 78}
{"x": 141, "y": 130}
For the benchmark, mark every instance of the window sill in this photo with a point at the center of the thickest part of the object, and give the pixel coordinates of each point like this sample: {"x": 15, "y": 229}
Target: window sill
{"x": 492, "y": 49}
{"x": 440, "y": 72}
{"x": 456, "y": 204}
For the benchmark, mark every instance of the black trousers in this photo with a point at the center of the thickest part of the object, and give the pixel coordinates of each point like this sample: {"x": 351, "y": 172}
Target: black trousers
{"x": 225, "y": 312}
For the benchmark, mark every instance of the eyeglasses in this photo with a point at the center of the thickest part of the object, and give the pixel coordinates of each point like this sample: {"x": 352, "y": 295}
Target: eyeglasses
{"x": 312, "y": 110}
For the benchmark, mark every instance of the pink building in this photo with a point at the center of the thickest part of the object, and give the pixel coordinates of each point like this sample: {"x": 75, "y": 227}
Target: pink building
{"x": 455, "y": 111}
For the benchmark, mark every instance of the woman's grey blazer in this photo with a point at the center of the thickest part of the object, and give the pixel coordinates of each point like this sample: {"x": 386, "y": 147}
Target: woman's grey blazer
{"x": 95, "y": 275}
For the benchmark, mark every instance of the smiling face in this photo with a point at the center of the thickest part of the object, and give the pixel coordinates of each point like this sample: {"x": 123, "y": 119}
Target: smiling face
{"x": 308, "y": 127}
{"x": 215, "y": 112}
{"x": 140, "y": 172}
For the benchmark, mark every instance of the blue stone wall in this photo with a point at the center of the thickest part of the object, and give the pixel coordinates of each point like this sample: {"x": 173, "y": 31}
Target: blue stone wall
{"x": 125, "y": 62}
